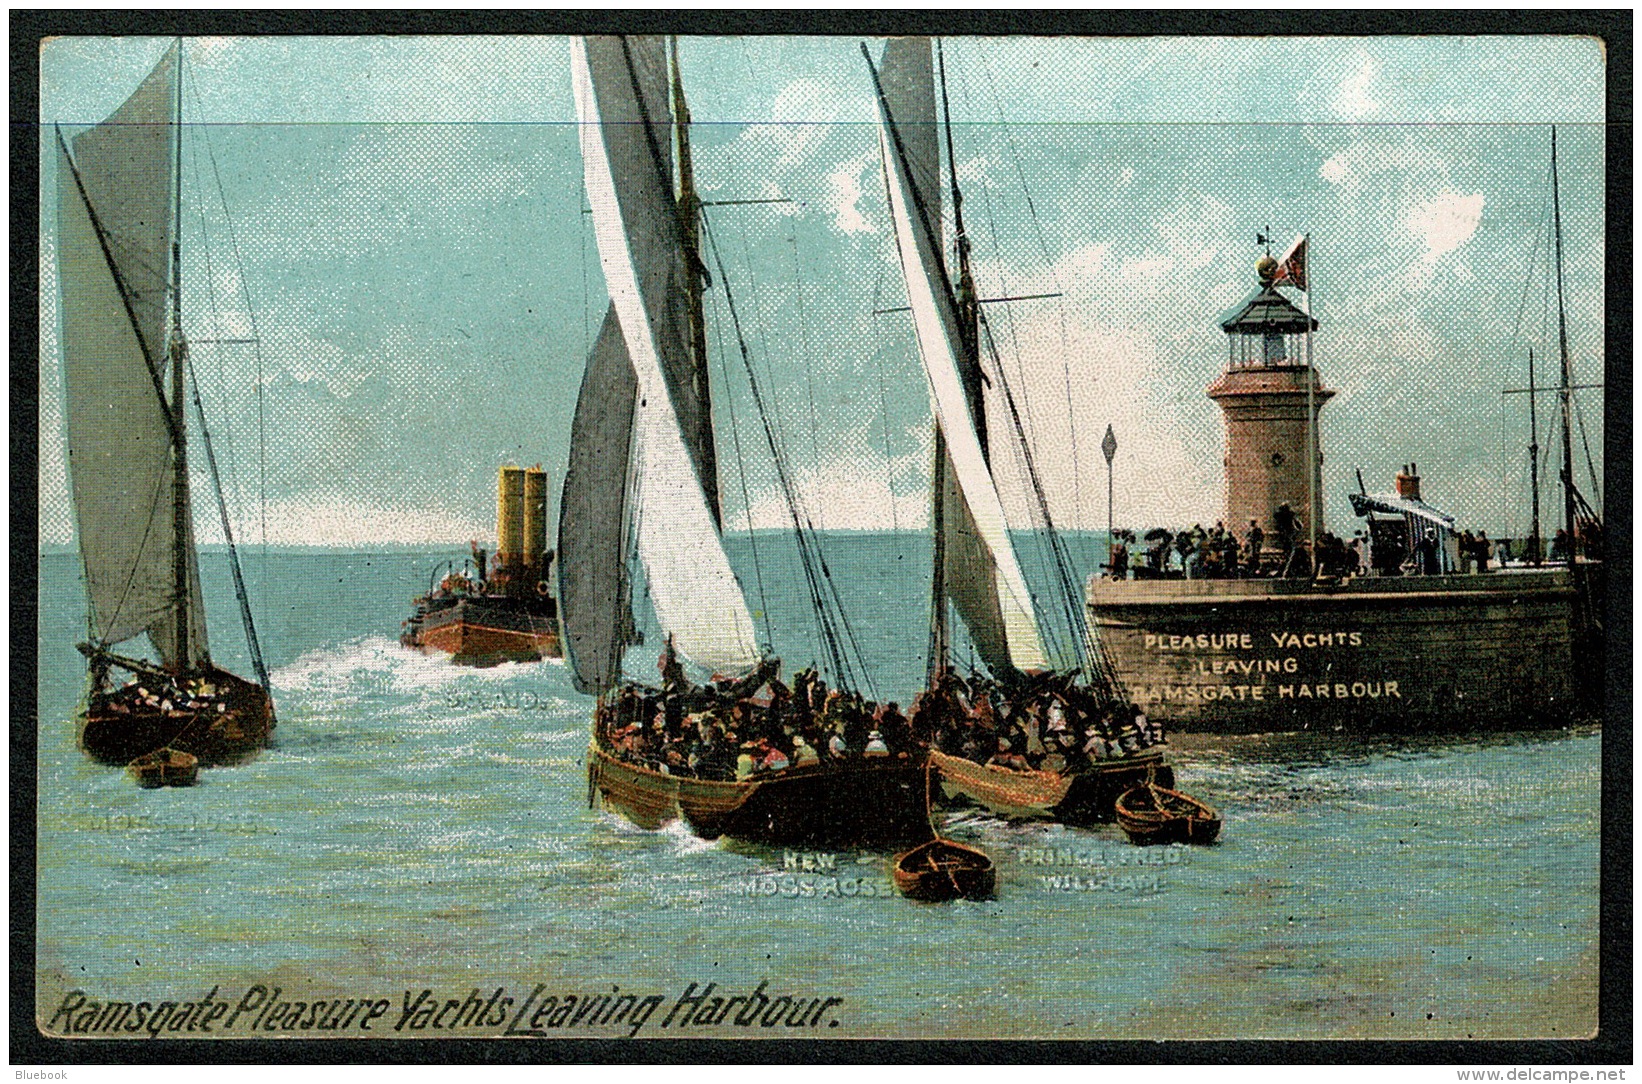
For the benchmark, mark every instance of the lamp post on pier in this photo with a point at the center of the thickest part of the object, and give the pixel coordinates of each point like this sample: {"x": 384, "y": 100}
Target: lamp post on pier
{"x": 1108, "y": 446}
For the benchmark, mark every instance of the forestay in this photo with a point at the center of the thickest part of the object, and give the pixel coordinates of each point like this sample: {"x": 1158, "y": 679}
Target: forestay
{"x": 621, "y": 106}
{"x": 983, "y": 575}
{"x": 114, "y": 344}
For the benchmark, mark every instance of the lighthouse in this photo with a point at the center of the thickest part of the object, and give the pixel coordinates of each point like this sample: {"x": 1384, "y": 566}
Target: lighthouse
{"x": 1271, "y": 396}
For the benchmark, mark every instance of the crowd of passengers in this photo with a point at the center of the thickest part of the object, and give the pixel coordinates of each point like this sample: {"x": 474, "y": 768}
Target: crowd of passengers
{"x": 158, "y": 695}
{"x": 756, "y": 726}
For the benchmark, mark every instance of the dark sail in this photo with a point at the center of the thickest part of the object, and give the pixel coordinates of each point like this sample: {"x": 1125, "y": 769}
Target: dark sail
{"x": 594, "y": 593}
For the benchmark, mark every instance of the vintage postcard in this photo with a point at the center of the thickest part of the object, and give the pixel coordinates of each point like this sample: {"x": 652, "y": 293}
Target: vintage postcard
{"x": 776, "y": 537}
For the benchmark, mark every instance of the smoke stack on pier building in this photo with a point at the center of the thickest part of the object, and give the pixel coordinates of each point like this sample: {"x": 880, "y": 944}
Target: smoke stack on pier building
{"x": 1271, "y": 396}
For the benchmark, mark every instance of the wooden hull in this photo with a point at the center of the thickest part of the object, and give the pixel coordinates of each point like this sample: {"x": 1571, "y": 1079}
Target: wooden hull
{"x": 862, "y": 803}
{"x": 1085, "y": 797}
{"x": 165, "y": 768}
{"x": 1191, "y": 821}
{"x": 229, "y": 737}
{"x": 942, "y": 870}
{"x": 486, "y": 632}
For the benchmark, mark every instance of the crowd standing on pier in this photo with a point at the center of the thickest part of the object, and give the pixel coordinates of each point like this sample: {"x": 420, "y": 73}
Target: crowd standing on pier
{"x": 1217, "y": 553}
{"x": 740, "y": 730}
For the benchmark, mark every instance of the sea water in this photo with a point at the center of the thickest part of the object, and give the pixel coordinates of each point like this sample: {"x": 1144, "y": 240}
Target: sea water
{"x": 420, "y": 826}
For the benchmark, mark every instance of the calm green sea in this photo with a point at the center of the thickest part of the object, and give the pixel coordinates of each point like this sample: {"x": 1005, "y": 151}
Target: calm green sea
{"x": 421, "y": 826}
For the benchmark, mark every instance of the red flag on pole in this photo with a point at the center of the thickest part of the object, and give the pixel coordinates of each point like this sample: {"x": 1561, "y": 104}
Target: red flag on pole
{"x": 1292, "y": 267}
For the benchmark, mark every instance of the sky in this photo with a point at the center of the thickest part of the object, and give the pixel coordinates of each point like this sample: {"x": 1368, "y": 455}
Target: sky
{"x": 403, "y": 236}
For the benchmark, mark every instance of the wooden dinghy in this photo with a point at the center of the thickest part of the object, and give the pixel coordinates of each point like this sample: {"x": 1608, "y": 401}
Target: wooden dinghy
{"x": 942, "y": 870}
{"x": 1084, "y": 797}
{"x": 165, "y": 768}
{"x": 1154, "y": 814}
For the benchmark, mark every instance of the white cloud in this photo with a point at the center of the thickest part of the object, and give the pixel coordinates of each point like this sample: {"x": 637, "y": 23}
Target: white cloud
{"x": 1068, "y": 390}
{"x": 1336, "y": 169}
{"x": 329, "y": 519}
{"x": 1188, "y": 231}
{"x": 843, "y": 197}
{"x": 861, "y": 492}
{"x": 800, "y": 119}
{"x": 1441, "y": 225}
{"x": 858, "y": 500}
{"x": 1352, "y": 97}
{"x": 1444, "y": 222}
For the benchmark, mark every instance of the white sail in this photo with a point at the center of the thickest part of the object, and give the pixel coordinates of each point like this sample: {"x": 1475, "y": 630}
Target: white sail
{"x": 694, "y": 591}
{"x": 115, "y": 222}
{"x": 983, "y": 576}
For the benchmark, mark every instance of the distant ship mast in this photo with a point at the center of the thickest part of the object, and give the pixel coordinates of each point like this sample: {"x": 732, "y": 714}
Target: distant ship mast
{"x": 1564, "y": 391}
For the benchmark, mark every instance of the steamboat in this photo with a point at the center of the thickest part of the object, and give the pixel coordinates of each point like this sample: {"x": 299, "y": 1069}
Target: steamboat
{"x": 502, "y": 609}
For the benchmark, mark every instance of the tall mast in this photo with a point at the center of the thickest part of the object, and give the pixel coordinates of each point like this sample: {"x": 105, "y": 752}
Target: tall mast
{"x": 969, "y": 309}
{"x": 938, "y": 633}
{"x": 1536, "y": 548}
{"x": 695, "y": 273}
{"x": 1564, "y": 389}
{"x": 179, "y": 357}
{"x": 1314, "y": 468}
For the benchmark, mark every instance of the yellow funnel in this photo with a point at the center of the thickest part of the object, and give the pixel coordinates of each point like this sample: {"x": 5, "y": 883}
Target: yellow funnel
{"x": 510, "y": 518}
{"x": 535, "y": 515}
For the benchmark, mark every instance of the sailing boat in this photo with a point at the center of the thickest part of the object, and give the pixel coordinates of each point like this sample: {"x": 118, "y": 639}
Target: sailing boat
{"x": 976, "y": 568}
{"x": 119, "y": 264}
{"x": 642, "y": 478}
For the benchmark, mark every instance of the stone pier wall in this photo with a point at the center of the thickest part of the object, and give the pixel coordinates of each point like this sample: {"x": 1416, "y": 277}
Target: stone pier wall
{"x": 1412, "y": 653}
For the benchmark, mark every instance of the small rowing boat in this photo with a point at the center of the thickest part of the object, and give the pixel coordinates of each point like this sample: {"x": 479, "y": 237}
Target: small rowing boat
{"x": 943, "y": 870}
{"x": 165, "y": 768}
{"x": 1153, "y": 814}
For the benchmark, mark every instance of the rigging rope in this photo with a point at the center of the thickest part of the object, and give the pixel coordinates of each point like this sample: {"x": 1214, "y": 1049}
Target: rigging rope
{"x": 1101, "y": 668}
{"x": 240, "y": 590}
{"x": 256, "y": 332}
{"x": 1047, "y": 553}
{"x": 937, "y": 474}
{"x": 804, "y": 351}
{"x": 1050, "y": 546}
{"x": 1585, "y": 440}
{"x": 1059, "y": 563}
{"x": 1078, "y": 490}
{"x": 217, "y": 329}
{"x": 746, "y": 498}
{"x": 816, "y": 572}
{"x": 228, "y": 536}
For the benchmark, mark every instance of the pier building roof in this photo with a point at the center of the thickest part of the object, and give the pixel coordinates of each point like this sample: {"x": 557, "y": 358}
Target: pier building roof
{"x": 1389, "y": 504}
